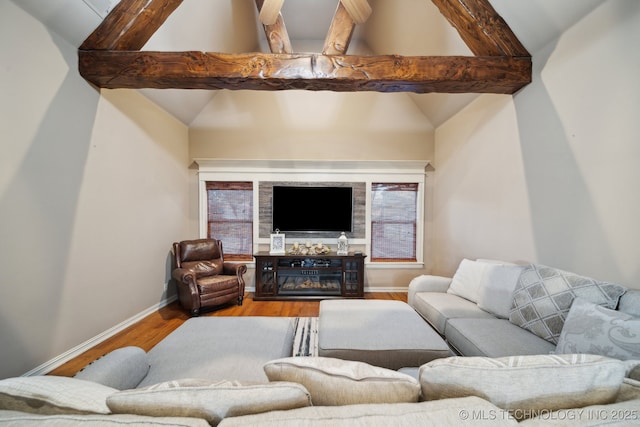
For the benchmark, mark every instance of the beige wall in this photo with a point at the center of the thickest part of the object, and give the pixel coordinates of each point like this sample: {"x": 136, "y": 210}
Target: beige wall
{"x": 551, "y": 175}
{"x": 311, "y": 125}
{"x": 316, "y": 125}
{"x": 92, "y": 193}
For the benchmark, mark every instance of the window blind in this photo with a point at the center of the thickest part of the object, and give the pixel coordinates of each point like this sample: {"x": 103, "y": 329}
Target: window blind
{"x": 393, "y": 222}
{"x": 230, "y": 217}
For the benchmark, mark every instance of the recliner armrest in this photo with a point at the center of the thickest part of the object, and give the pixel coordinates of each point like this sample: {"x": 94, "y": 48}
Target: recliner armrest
{"x": 427, "y": 283}
{"x": 234, "y": 269}
{"x": 184, "y": 275}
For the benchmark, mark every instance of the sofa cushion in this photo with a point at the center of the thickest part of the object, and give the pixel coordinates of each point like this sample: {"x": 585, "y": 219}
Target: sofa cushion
{"x": 427, "y": 283}
{"x": 614, "y": 414}
{"x": 204, "y": 268}
{"x": 343, "y": 382}
{"x": 218, "y": 348}
{"x": 52, "y": 395}
{"x": 195, "y": 250}
{"x": 441, "y": 413}
{"x": 212, "y": 401}
{"x": 633, "y": 369}
{"x": 493, "y": 338}
{"x": 122, "y": 368}
{"x": 23, "y": 419}
{"x": 629, "y": 390}
{"x": 389, "y": 334}
{"x": 525, "y": 384}
{"x": 438, "y": 307}
{"x": 496, "y": 288}
{"x": 466, "y": 280}
{"x": 590, "y": 328}
{"x": 543, "y": 297}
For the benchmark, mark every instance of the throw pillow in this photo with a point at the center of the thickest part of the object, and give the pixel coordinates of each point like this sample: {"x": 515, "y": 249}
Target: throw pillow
{"x": 633, "y": 370}
{"x": 52, "y": 395}
{"x": 496, "y": 288}
{"x": 334, "y": 382}
{"x": 122, "y": 368}
{"x": 630, "y": 302}
{"x": 211, "y": 400}
{"x": 593, "y": 329}
{"x": 525, "y": 385}
{"x": 466, "y": 280}
{"x": 543, "y": 297}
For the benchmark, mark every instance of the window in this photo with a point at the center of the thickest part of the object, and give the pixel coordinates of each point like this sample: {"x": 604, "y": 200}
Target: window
{"x": 230, "y": 218}
{"x": 394, "y": 210}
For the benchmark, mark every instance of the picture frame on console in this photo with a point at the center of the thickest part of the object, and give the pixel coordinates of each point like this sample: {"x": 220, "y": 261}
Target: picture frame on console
{"x": 277, "y": 243}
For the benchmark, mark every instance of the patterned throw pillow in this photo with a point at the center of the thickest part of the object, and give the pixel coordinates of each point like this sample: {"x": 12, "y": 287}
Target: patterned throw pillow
{"x": 543, "y": 297}
{"x": 593, "y": 329}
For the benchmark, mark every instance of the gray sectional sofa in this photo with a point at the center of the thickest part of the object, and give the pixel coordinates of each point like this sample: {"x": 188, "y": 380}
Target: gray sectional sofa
{"x": 239, "y": 372}
{"x": 496, "y": 309}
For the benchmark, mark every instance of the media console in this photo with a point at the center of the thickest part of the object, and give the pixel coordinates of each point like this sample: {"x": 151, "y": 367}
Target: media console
{"x": 281, "y": 277}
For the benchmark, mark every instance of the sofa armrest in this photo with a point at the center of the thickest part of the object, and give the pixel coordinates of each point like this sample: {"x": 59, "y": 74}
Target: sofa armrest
{"x": 183, "y": 275}
{"x": 234, "y": 269}
{"x": 427, "y": 283}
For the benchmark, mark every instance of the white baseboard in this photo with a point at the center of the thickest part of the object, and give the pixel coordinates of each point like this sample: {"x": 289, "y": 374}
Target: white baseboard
{"x": 366, "y": 289}
{"x": 393, "y": 289}
{"x": 78, "y": 350}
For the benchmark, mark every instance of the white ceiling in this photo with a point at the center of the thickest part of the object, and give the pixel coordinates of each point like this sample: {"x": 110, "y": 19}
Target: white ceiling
{"x": 404, "y": 27}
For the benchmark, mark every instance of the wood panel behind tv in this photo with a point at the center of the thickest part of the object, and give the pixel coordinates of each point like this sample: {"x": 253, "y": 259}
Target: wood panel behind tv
{"x": 359, "y": 204}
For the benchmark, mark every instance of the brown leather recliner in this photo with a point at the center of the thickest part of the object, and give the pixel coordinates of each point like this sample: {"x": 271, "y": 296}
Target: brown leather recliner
{"x": 204, "y": 279}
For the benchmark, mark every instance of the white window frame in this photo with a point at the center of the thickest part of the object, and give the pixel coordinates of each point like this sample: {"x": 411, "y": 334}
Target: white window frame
{"x": 367, "y": 171}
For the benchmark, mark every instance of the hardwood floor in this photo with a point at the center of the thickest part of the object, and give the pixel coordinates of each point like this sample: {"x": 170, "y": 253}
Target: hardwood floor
{"x": 153, "y": 328}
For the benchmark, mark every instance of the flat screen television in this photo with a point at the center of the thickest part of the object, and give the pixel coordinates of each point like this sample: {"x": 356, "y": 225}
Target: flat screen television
{"x": 312, "y": 209}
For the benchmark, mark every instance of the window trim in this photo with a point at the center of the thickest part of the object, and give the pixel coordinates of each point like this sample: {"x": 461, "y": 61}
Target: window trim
{"x": 414, "y": 187}
{"x": 367, "y": 171}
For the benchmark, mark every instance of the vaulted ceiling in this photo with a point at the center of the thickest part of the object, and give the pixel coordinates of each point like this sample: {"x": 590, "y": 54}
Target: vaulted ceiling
{"x": 410, "y": 28}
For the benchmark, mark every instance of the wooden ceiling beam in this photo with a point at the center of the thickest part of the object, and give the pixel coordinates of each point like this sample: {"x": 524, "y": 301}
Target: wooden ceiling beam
{"x": 481, "y": 28}
{"x": 340, "y": 32}
{"x": 276, "y": 33}
{"x": 270, "y": 11}
{"x": 359, "y": 10}
{"x": 348, "y": 73}
{"x": 130, "y": 24}
{"x": 111, "y": 57}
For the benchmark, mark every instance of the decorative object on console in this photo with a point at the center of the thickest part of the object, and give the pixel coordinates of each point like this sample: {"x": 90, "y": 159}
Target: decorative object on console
{"x": 343, "y": 244}
{"x": 277, "y": 246}
{"x": 308, "y": 249}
